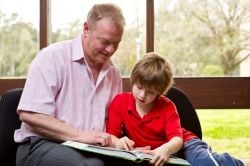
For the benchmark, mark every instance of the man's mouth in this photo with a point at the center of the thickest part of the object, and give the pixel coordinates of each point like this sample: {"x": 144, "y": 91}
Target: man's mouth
{"x": 104, "y": 54}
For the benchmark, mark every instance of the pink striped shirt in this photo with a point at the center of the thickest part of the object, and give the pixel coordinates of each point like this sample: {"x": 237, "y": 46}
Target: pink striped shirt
{"x": 60, "y": 84}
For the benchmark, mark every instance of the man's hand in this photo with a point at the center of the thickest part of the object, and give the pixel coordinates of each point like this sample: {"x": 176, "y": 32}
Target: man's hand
{"x": 96, "y": 137}
{"x": 52, "y": 128}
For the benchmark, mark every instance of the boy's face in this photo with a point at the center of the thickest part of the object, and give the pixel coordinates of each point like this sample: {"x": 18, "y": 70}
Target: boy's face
{"x": 143, "y": 95}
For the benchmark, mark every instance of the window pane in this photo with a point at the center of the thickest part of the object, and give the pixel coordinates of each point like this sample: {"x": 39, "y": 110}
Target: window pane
{"x": 204, "y": 38}
{"x": 18, "y": 36}
{"x": 67, "y": 19}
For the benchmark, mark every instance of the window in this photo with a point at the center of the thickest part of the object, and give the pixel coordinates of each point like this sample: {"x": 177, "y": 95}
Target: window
{"x": 67, "y": 20}
{"x": 215, "y": 92}
{"x": 204, "y": 38}
{"x": 200, "y": 39}
{"x": 18, "y": 36}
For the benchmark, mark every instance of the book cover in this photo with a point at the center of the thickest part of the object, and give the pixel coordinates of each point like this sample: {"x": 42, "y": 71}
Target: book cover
{"x": 119, "y": 153}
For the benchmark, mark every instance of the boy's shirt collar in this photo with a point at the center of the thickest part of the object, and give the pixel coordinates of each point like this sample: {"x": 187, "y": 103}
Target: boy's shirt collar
{"x": 153, "y": 113}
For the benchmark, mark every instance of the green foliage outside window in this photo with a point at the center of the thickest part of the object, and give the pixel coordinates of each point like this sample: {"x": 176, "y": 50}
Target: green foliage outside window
{"x": 18, "y": 45}
{"x": 201, "y": 38}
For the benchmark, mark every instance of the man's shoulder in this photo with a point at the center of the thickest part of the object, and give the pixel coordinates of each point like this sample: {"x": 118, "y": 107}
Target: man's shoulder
{"x": 58, "y": 52}
{"x": 55, "y": 47}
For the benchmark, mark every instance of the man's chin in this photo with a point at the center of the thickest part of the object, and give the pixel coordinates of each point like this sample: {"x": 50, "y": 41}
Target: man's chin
{"x": 101, "y": 61}
{"x": 103, "y": 58}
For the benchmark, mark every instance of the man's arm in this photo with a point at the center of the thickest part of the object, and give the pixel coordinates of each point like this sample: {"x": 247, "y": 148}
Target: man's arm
{"x": 52, "y": 128}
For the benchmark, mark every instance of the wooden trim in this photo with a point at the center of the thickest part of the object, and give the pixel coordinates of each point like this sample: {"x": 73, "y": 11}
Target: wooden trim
{"x": 11, "y": 83}
{"x": 224, "y": 92}
{"x": 210, "y": 92}
{"x": 204, "y": 92}
{"x": 150, "y": 26}
{"x": 44, "y": 22}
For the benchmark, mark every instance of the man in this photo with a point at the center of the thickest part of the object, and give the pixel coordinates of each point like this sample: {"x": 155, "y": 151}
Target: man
{"x": 68, "y": 88}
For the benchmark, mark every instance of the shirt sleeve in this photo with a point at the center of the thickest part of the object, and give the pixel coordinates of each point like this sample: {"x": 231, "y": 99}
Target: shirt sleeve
{"x": 114, "y": 119}
{"x": 173, "y": 125}
{"x": 41, "y": 86}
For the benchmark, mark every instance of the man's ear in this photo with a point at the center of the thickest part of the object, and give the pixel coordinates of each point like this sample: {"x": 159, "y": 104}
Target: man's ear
{"x": 86, "y": 29}
{"x": 86, "y": 26}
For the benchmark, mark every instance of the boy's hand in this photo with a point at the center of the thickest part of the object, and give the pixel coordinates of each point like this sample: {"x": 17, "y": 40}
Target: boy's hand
{"x": 126, "y": 143}
{"x": 161, "y": 155}
{"x": 122, "y": 143}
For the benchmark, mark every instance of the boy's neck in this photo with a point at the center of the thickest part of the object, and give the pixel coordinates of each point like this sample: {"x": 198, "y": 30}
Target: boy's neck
{"x": 144, "y": 109}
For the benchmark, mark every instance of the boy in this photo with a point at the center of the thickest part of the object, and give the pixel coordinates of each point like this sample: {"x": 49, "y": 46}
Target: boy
{"x": 148, "y": 118}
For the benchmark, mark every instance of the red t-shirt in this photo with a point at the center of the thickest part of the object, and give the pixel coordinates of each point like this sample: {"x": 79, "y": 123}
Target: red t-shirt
{"x": 155, "y": 128}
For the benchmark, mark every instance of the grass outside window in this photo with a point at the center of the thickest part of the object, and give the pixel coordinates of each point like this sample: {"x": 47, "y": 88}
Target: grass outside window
{"x": 227, "y": 130}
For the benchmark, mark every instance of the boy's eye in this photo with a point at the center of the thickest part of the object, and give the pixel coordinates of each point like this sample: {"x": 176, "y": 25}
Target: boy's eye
{"x": 150, "y": 92}
{"x": 139, "y": 87}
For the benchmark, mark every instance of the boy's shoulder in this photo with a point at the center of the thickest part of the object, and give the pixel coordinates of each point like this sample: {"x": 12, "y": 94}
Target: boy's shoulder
{"x": 163, "y": 100}
{"x": 124, "y": 94}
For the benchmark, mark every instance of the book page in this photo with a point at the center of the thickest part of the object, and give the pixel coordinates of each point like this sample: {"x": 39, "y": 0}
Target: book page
{"x": 142, "y": 155}
{"x": 113, "y": 149}
{"x": 109, "y": 151}
{"x": 172, "y": 160}
{"x": 133, "y": 155}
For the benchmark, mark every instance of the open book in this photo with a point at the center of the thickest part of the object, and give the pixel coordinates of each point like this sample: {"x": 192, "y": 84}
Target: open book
{"x": 119, "y": 153}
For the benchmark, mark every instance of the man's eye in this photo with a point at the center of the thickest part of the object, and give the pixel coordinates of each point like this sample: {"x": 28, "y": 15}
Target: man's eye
{"x": 105, "y": 43}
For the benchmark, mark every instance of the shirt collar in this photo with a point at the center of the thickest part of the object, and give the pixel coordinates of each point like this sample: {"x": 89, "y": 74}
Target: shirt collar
{"x": 77, "y": 49}
{"x": 78, "y": 54}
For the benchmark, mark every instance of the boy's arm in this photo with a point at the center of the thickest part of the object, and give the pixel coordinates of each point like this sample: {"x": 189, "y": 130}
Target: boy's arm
{"x": 163, "y": 152}
{"x": 171, "y": 147}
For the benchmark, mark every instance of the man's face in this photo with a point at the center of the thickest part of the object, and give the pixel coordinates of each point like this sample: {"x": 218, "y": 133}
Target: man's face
{"x": 101, "y": 41}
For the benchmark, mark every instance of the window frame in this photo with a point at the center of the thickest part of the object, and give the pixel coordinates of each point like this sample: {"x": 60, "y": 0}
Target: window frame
{"x": 204, "y": 92}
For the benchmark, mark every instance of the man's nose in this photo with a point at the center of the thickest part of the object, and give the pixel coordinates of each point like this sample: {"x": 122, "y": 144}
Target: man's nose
{"x": 110, "y": 48}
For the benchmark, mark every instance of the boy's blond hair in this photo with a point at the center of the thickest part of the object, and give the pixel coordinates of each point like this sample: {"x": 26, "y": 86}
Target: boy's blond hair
{"x": 153, "y": 72}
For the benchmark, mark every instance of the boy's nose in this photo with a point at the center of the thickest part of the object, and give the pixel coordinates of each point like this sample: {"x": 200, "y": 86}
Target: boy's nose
{"x": 142, "y": 94}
